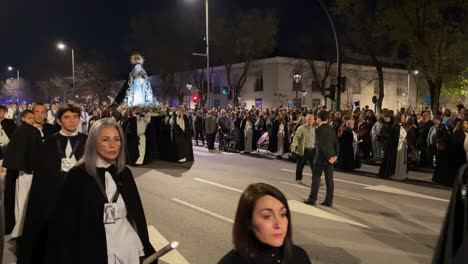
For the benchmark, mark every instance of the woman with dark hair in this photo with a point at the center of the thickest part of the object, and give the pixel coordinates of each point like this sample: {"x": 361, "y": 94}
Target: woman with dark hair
{"x": 279, "y": 139}
{"x": 262, "y": 229}
{"x": 394, "y": 164}
{"x": 247, "y": 127}
{"x": 457, "y": 148}
{"x": 412, "y": 131}
{"x": 363, "y": 129}
{"x": 100, "y": 218}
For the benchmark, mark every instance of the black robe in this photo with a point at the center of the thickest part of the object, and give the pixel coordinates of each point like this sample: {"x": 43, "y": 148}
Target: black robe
{"x": 131, "y": 136}
{"x": 268, "y": 255}
{"x": 45, "y": 188}
{"x": 79, "y": 229}
{"x": 48, "y": 130}
{"x": 9, "y": 127}
{"x": 166, "y": 146}
{"x": 452, "y": 247}
{"x": 388, "y": 166}
{"x": 346, "y": 159}
{"x": 21, "y": 155}
{"x": 182, "y": 139}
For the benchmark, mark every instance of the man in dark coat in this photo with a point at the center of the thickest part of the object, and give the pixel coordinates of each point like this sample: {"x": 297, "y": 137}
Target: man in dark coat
{"x": 326, "y": 154}
{"x": 20, "y": 156}
{"x": 452, "y": 247}
{"x": 388, "y": 166}
{"x": 47, "y": 182}
{"x": 182, "y": 133}
{"x": 348, "y": 160}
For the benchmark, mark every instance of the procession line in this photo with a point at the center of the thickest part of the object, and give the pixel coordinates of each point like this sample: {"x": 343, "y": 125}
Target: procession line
{"x": 203, "y": 210}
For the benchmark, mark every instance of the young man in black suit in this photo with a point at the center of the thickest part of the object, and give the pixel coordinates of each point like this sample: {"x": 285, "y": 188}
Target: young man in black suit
{"x": 40, "y": 121}
{"x": 327, "y": 149}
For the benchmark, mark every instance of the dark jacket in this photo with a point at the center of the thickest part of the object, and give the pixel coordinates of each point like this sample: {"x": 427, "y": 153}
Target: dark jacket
{"x": 9, "y": 127}
{"x": 79, "y": 230}
{"x": 23, "y": 149}
{"x": 268, "y": 255}
{"x": 326, "y": 144}
{"x": 45, "y": 188}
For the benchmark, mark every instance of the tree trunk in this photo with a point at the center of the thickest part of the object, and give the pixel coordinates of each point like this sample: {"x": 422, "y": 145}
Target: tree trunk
{"x": 434, "y": 89}
{"x": 379, "y": 69}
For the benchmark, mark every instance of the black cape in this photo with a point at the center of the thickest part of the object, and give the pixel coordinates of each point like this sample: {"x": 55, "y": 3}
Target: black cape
{"x": 79, "y": 228}
{"x": 23, "y": 149}
{"x": 347, "y": 160}
{"x": 452, "y": 247}
{"x": 131, "y": 135}
{"x": 388, "y": 166}
{"x": 183, "y": 139}
{"x": 45, "y": 188}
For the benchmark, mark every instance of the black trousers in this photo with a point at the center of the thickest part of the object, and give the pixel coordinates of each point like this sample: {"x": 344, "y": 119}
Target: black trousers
{"x": 9, "y": 199}
{"x": 221, "y": 138}
{"x": 309, "y": 155}
{"x": 316, "y": 175}
{"x": 199, "y": 135}
{"x": 210, "y": 140}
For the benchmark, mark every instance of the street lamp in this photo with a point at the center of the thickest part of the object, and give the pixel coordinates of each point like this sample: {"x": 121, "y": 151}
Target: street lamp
{"x": 304, "y": 93}
{"x": 61, "y": 46}
{"x": 189, "y": 87}
{"x": 297, "y": 78}
{"x": 414, "y": 73}
{"x": 10, "y": 68}
{"x": 207, "y": 55}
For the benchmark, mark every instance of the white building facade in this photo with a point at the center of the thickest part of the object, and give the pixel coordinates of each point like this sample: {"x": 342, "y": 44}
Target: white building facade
{"x": 269, "y": 84}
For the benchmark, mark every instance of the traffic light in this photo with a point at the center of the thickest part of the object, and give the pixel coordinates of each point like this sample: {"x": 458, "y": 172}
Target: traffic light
{"x": 225, "y": 90}
{"x": 332, "y": 92}
{"x": 342, "y": 83}
{"x": 195, "y": 98}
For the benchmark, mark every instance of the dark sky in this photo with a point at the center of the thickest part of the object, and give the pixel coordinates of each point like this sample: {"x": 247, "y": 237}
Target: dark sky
{"x": 31, "y": 28}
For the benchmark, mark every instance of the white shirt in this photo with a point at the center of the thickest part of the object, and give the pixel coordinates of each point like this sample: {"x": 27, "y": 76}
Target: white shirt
{"x": 51, "y": 116}
{"x": 123, "y": 243}
{"x": 142, "y": 123}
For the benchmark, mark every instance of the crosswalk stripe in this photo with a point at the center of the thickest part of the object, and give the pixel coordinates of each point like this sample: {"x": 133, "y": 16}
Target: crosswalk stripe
{"x": 202, "y": 153}
{"x": 336, "y": 194}
{"x": 158, "y": 241}
{"x": 302, "y": 208}
{"x": 335, "y": 179}
{"x": 218, "y": 185}
{"x": 203, "y": 210}
{"x": 388, "y": 189}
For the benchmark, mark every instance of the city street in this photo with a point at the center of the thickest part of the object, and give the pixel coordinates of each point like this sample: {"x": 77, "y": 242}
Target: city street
{"x": 372, "y": 221}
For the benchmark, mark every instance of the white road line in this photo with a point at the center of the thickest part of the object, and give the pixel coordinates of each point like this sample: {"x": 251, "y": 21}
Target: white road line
{"x": 202, "y": 153}
{"x": 336, "y": 194}
{"x": 218, "y": 185}
{"x": 335, "y": 179}
{"x": 203, "y": 210}
{"x": 203, "y": 149}
{"x": 425, "y": 178}
{"x": 158, "y": 242}
{"x": 388, "y": 189}
{"x": 302, "y": 208}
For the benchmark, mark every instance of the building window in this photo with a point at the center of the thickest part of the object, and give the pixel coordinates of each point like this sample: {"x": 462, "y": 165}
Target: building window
{"x": 258, "y": 103}
{"x": 402, "y": 88}
{"x": 315, "y": 102}
{"x": 258, "y": 84}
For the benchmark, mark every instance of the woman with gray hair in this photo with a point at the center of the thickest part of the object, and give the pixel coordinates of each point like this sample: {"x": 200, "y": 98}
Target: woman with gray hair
{"x": 100, "y": 217}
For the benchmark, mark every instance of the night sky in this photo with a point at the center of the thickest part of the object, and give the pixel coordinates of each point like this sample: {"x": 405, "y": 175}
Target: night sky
{"x": 31, "y": 28}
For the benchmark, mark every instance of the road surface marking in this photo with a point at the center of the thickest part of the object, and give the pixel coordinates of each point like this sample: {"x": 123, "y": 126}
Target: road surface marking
{"x": 218, "y": 185}
{"x": 300, "y": 207}
{"x": 425, "y": 178}
{"x": 158, "y": 242}
{"x": 387, "y": 189}
{"x": 196, "y": 152}
{"x": 335, "y": 179}
{"x": 203, "y": 210}
{"x": 336, "y": 194}
{"x": 215, "y": 152}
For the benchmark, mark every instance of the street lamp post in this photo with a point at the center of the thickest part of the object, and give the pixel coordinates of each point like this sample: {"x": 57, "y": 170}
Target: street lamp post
{"x": 189, "y": 87}
{"x": 304, "y": 93}
{"x": 415, "y": 72}
{"x": 207, "y": 55}
{"x": 62, "y": 46}
{"x": 10, "y": 68}
{"x": 297, "y": 78}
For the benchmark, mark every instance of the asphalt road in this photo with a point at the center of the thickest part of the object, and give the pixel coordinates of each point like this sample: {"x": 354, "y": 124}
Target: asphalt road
{"x": 372, "y": 221}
